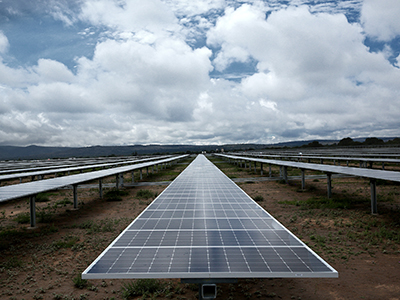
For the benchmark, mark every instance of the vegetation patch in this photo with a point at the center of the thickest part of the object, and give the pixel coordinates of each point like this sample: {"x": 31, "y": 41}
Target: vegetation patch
{"x": 145, "y": 194}
{"x": 23, "y": 218}
{"x": 115, "y": 194}
{"x": 143, "y": 287}
{"x": 79, "y": 282}
{"x": 324, "y": 203}
{"x": 43, "y": 197}
{"x": 258, "y": 198}
{"x": 67, "y": 242}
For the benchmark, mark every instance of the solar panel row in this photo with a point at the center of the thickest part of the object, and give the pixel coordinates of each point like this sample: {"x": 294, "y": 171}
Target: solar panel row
{"x": 329, "y": 170}
{"x": 204, "y": 226}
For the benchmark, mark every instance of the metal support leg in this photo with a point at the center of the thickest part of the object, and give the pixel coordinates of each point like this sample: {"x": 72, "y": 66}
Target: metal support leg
{"x": 255, "y": 167}
{"x": 285, "y": 175}
{"x": 101, "y": 188}
{"x": 303, "y": 179}
{"x": 121, "y": 179}
{"x": 270, "y": 170}
{"x": 262, "y": 171}
{"x": 117, "y": 181}
{"x": 32, "y": 205}
{"x": 374, "y": 202}
{"x": 329, "y": 182}
{"x": 141, "y": 174}
{"x": 133, "y": 177}
{"x": 75, "y": 191}
{"x": 147, "y": 171}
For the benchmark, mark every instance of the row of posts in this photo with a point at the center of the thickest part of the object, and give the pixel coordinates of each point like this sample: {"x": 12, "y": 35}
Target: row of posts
{"x": 119, "y": 183}
{"x": 284, "y": 175}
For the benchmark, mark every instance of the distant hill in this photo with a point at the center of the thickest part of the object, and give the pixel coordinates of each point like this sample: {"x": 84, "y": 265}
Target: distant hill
{"x": 39, "y": 152}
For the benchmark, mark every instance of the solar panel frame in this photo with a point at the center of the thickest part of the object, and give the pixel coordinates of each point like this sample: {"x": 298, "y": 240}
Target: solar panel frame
{"x": 361, "y": 172}
{"x": 16, "y": 191}
{"x": 205, "y": 226}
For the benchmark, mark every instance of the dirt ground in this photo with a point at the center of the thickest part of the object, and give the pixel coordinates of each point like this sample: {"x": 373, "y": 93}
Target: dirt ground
{"x": 46, "y": 262}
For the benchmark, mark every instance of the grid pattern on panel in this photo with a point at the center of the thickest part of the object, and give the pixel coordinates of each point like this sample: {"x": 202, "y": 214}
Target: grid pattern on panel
{"x": 204, "y": 226}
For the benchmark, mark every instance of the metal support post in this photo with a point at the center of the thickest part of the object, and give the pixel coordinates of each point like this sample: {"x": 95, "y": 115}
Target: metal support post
{"x": 141, "y": 174}
{"x": 285, "y": 175}
{"x": 329, "y": 182}
{"x": 75, "y": 191}
{"x": 117, "y": 181}
{"x": 101, "y": 188}
{"x": 32, "y": 205}
{"x": 121, "y": 179}
{"x": 262, "y": 171}
{"x": 270, "y": 170}
{"x": 374, "y": 202}
{"x": 147, "y": 171}
{"x": 133, "y": 177}
{"x": 303, "y": 180}
{"x": 255, "y": 167}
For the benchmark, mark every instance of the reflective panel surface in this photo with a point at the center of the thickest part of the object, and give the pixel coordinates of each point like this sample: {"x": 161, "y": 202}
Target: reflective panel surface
{"x": 204, "y": 226}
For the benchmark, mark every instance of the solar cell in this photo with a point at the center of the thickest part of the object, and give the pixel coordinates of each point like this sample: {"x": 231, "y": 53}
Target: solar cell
{"x": 204, "y": 226}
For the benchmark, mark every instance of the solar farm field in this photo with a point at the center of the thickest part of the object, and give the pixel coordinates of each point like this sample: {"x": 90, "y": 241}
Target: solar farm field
{"x": 46, "y": 262}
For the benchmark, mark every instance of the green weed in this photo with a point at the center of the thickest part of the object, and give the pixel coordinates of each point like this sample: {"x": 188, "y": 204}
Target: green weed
{"x": 115, "y": 195}
{"x": 43, "y": 197}
{"x": 144, "y": 194}
{"x": 142, "y": 287}
{"x": 258, "y": 198}
{"x": 79, "y": 282}
{"x": 23, "y": 218}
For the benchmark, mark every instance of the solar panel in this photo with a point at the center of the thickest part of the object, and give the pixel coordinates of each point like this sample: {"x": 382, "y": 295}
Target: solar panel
{"x": 204, "y": 226}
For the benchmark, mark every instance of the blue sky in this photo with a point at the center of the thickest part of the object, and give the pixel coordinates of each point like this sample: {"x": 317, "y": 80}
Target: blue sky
{"x": 115, "y": 72}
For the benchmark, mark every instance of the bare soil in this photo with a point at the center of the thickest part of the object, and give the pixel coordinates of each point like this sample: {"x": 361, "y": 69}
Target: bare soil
{"x": 46, "y": 262}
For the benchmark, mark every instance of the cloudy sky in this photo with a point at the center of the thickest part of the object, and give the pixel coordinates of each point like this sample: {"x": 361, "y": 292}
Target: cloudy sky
{"x": 121, "y": 72}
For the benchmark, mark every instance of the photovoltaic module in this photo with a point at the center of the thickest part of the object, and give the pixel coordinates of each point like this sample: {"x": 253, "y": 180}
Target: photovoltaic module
{"x": 204, "y": 226}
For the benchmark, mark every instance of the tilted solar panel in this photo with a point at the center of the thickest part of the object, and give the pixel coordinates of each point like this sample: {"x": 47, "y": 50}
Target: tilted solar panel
{"x": 204, "y": 226}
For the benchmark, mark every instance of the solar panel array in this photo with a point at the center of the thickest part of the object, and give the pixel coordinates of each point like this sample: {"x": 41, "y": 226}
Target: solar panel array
{"x": 204, "y": 226}
{"x": 16, "y": 191}
{"x": 361, "y": 172}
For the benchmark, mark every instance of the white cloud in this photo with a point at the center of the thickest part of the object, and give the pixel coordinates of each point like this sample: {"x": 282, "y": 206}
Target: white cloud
{"x": 380, "y": 18}
{"x": 132, "y": 15}
{"x": 144, "y": 83}
{"x": 51, "y": 70}
{"x": 3, "y": 43}
{"x": 312, "y": 65}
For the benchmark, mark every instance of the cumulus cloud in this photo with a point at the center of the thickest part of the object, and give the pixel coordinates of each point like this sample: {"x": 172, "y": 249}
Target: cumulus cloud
{"x": 133, "y": 15}
{"x": 380, "y": 18}
{"x": 313, "y": 65}
{"x": 3, "y": 43}
{"x": 146, "y": 82}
